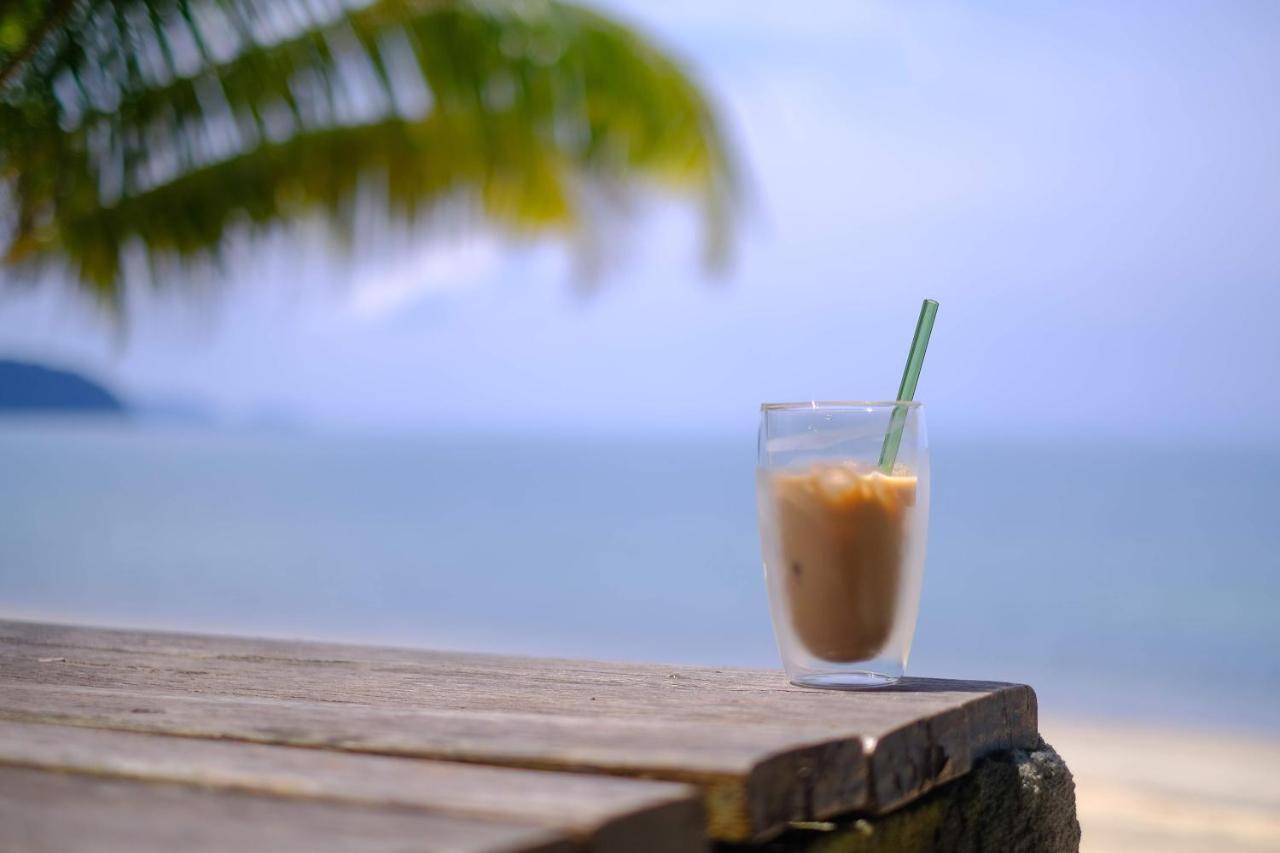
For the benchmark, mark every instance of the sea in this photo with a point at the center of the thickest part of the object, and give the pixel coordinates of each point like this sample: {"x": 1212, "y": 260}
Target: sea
{"x": 1123, "y": 581}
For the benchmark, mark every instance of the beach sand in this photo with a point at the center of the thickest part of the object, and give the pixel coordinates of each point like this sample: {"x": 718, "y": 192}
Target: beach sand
{"x": 1150, "y": 788}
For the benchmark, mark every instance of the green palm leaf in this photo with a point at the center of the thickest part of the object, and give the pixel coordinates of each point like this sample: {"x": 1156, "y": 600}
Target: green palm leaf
{"x": 170, "y": 123}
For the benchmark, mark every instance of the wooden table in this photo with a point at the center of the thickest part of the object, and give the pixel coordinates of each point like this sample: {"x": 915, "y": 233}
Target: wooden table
{"x": 116, "y": 739}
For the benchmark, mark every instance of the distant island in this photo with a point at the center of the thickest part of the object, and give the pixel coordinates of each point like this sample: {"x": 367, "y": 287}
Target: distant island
{"x": 26, "y": 387}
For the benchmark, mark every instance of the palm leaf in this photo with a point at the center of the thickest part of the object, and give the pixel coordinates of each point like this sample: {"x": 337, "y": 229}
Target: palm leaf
{"x": 169, "y": 123}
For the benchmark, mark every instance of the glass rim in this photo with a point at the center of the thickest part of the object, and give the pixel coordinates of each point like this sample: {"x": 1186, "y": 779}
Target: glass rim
{"x": 840, "y": 405}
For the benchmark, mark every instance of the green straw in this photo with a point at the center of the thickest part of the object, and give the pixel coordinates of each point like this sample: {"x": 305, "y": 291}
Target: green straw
{"x": 907, "y": 390}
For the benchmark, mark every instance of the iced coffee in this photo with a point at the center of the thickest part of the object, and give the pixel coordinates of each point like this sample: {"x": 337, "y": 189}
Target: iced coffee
{"x": 842, "y": 538}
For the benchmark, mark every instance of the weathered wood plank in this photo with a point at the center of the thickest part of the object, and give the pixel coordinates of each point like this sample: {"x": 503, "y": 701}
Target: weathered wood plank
{"x": 720, "y": 762}
{"x": 765, "y": 752}
{"x": 603, "y": 814}
{"x": 68, "y": 813}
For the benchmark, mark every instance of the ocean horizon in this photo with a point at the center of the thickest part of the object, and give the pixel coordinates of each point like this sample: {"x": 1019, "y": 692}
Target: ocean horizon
{"x": 1125, "y": 581}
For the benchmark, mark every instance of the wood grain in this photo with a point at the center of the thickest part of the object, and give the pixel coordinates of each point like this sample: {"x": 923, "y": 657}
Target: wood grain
{"x": 68, "y": 813}
{"x": 764, "y": 752}
{"x": 602, "y": 814}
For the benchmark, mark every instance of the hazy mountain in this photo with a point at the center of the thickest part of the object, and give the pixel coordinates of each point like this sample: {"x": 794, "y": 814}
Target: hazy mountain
{"x": 26, "y": 387}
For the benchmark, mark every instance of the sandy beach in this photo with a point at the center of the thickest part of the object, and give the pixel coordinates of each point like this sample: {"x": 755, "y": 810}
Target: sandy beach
{"x": 1152, "y": 788}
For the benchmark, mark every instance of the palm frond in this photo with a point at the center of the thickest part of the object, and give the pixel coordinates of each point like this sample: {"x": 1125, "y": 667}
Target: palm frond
{"x": 168, "y": 122}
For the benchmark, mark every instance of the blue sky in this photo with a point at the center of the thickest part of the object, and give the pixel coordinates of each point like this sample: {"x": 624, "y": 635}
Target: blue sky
{"x": 1092, "y": 191}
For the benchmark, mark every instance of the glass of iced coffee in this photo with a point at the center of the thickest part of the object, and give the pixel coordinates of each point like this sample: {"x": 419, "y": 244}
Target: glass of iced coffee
{"x": 843, "y": 494}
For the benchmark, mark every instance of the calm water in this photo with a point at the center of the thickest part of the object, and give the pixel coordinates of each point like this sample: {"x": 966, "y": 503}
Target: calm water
{"x": 1124, "y": 583}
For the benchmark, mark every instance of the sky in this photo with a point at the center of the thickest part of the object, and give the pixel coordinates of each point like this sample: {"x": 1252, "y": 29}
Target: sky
{"x": 1091, "y": 191}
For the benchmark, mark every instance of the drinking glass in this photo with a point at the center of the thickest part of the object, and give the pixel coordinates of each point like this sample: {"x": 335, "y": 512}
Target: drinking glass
{"x": 844, "y": 517}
